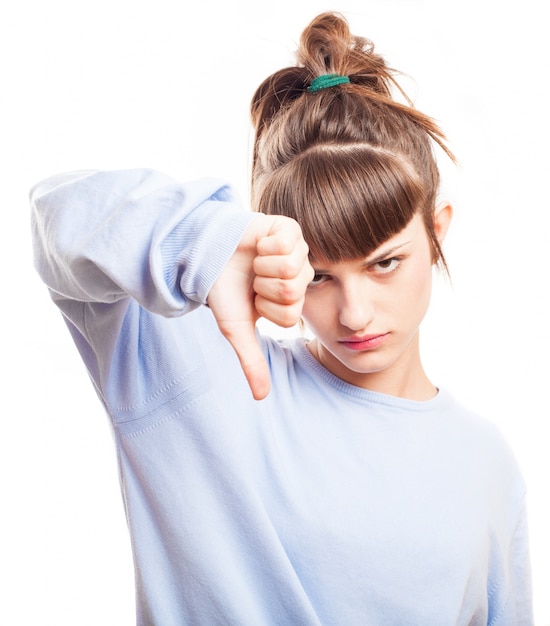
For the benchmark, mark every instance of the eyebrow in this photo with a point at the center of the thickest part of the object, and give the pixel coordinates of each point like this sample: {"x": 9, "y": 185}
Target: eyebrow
{"x": 385, "y": 254}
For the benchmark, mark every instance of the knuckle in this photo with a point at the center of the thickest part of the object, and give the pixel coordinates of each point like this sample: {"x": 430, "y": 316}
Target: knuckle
{"x": 286, "y": 292}
{"x": 291, "y": 316}
{"x": 290, "y": 267}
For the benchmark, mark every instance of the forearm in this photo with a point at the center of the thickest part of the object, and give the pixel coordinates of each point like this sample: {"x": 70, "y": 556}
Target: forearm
{"x": 104, "y": 236}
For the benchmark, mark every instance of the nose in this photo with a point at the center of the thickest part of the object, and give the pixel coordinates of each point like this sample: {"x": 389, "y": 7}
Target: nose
{"x": 356, "y": 308}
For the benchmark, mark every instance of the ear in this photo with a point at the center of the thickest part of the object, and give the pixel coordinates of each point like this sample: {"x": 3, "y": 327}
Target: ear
{"x": 443, "y": 214}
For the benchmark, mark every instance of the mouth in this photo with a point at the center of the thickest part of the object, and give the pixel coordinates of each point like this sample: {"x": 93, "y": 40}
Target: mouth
{"x": 364, "y": 342}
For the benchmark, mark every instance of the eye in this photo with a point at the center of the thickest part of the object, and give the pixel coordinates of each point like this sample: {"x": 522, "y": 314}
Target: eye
{"x": 318, "y": 279}
{"x": 387, "y": 265}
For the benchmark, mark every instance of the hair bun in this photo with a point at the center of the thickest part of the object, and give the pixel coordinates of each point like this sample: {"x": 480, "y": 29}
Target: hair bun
{"x": 328, "y": 47}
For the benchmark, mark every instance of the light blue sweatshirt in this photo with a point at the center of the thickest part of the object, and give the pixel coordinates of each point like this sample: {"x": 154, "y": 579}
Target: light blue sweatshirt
{"x": 325, "y": 503}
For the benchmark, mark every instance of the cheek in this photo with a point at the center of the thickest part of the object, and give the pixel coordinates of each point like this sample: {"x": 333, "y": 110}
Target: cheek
{"x": 419, "y": 286}
{"x": 311, "y": 311}
{"x": 307, "y": 311}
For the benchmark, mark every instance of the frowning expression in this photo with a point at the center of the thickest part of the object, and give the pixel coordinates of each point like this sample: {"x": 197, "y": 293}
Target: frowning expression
{"x": 365, "y": 313}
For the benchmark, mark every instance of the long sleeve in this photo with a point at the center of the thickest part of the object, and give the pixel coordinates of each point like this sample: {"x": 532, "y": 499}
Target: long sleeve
{"x": 519, "y": 609}
{"x": 125, "y": 252}
{"x": 100, "y": 236}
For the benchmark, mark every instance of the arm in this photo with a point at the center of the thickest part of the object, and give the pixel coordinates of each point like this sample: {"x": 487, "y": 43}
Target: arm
{"x": 520, "y": 570}
{"x": 509, "y": 584}
{"x": 103, "y": 237}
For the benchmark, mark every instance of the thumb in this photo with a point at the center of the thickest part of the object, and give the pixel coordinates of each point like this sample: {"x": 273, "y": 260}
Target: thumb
{"x": 242, "y": 337}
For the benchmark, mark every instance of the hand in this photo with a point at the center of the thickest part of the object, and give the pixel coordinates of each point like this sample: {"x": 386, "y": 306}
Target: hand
{"x": 267, "y": 276}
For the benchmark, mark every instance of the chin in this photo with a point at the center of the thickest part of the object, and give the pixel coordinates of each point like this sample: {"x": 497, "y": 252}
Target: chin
{"x": 374, "y": 366}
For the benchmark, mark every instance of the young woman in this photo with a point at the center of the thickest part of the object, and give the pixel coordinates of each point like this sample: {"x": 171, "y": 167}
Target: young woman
{"x": 300, "y": 482}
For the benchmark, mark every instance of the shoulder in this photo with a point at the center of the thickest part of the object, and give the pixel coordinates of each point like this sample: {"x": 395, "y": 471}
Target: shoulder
{"x": 489, "y": 462}
{"x": 291, "y": 364}
{"x": 481, "y": 436}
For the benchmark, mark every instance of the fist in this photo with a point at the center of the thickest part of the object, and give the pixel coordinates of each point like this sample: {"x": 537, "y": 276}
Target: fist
{"x": 267, "y": 276}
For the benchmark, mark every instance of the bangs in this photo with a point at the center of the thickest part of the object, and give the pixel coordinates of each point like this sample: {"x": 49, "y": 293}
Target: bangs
{"x": 347, "y": 199}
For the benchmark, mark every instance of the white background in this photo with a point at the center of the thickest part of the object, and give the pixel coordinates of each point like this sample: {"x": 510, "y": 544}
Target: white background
{"x": 122, "y": 83}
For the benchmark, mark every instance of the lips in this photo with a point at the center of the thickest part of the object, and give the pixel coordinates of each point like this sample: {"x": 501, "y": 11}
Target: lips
{"x": 364, "y": 342}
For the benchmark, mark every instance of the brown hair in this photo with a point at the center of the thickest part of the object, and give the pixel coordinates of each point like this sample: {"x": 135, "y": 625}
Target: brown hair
{"x": 350, "y": 163}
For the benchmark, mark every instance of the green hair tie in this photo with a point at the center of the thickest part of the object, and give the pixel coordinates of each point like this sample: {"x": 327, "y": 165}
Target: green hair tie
{"x": 327, "y": 80}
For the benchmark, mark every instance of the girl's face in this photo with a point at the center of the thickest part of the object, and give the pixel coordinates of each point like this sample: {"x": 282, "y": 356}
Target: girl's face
{"x": 365, "y": 313}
